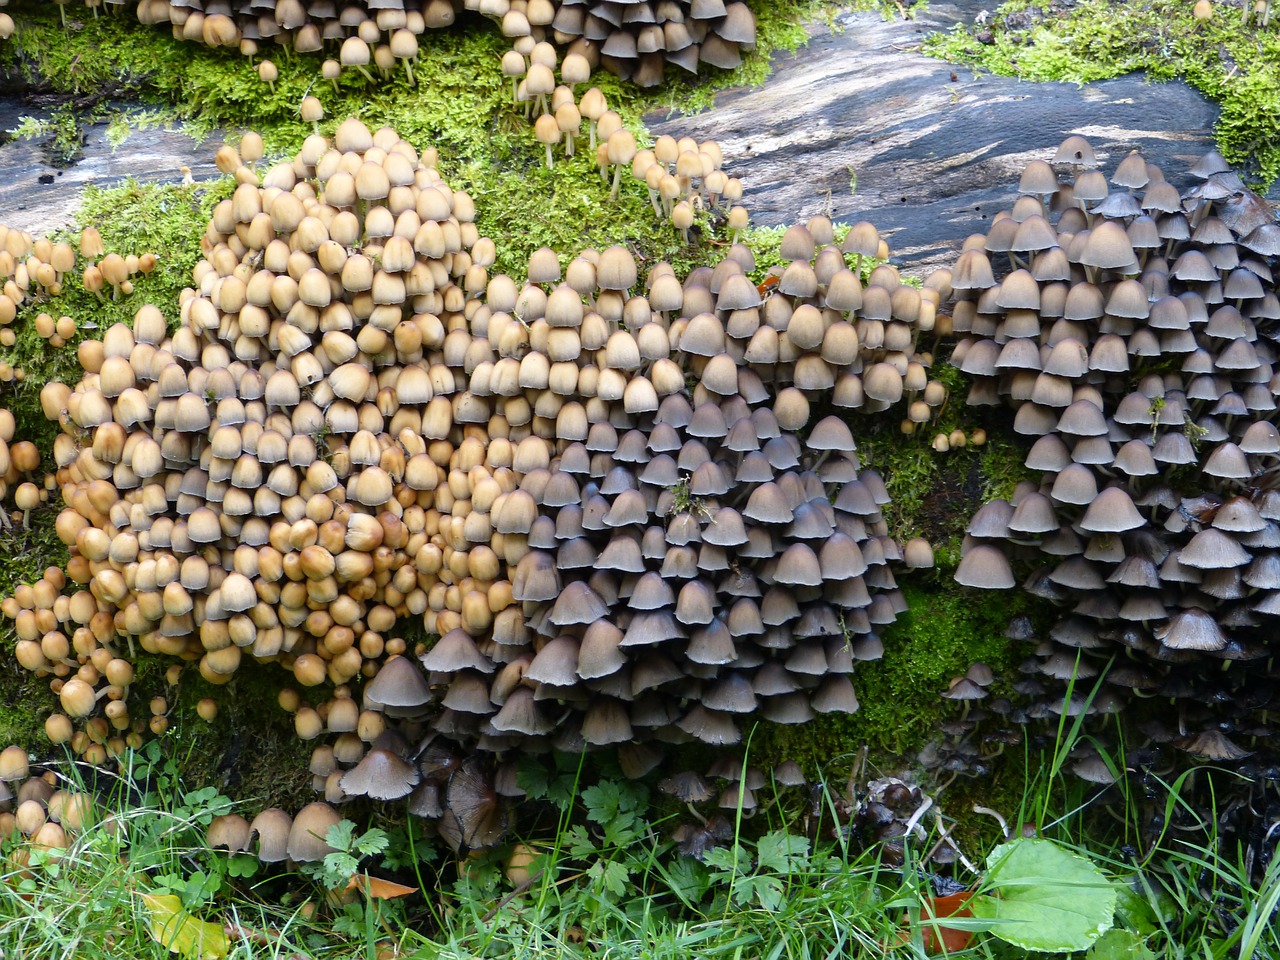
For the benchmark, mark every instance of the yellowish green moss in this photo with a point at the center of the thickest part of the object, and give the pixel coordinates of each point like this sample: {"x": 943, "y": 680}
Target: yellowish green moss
{"x": 1239, "y": 67}
{"x": 945, "y": 630}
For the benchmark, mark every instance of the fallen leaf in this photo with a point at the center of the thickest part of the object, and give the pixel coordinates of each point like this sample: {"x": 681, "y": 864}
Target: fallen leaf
{"x": 183, "y": 934}
{"x": 378, "y": 888}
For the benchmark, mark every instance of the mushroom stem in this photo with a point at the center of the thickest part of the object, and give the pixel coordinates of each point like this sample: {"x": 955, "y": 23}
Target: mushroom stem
{"x": 409, "y": 73}
{"x": 700, "y": 818}
{"x": 568, "y": 144}
{"x": 315, "y": 127}
{"x": 515, "y": 93}
{"x": 1004, "y": 824}
{"x": 617, "y": 181}
{"x": 62, "y": 10}
{"x": 944, "y": 836}
{"x": 910, "y": 826}
{"x": 657, "y": 210}
{"x": 550, "y": 162}
{"x": 272, "y": 85}
{"x": 26, "y": 519}
{"x": 367, "y": 75}
{"x": 591, "y": 128}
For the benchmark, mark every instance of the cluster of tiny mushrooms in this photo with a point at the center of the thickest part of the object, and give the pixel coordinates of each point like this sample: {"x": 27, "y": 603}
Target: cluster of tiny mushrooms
{"x": 632, "y": 39}
{"x": 1134, "y": 335}
{"x": 614, "y": 498}
{"x": 32, "y": 270}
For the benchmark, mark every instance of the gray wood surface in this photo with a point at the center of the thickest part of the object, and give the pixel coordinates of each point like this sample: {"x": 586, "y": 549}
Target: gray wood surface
{"x": 934, "y": 158}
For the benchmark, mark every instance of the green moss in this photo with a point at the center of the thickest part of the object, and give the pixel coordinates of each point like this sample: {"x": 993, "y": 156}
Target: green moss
{"x": 1100, "y": 39}
{"x": 944, "y": 631}
{"x": 250, "y": 751}
{"x": 1003, "y": 465}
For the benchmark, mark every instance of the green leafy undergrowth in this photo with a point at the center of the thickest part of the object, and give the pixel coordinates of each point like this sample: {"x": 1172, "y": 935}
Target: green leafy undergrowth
{"x": 612, "y": 880}
{"x": 1239, "y": 67}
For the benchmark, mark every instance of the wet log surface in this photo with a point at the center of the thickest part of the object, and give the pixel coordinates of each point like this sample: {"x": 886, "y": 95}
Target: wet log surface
{"x": 858, "y": 123}
{"x": 934, "y": 158}
{"x": 40, "y": 198}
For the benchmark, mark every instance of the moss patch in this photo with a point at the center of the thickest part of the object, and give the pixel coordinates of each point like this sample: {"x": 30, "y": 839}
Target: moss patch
{"x": 1238, "y": 67}
{"x": 945, "y": 630}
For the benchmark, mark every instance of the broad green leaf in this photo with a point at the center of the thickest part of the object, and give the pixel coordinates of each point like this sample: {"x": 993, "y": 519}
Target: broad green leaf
{"x": 1044, "y": 897}
{"x": 767, "y": 891}
{"x": 782, "y": 852}
{"x": 181, "y": 933}
{"x": 1136, "y": 912}
{"x": 1117, "y": 944}
{"x": 611, "y": 875}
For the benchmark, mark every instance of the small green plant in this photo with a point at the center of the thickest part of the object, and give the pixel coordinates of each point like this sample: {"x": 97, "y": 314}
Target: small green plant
{"x": 683, "y": 501}
{"x": 349, "y": 850}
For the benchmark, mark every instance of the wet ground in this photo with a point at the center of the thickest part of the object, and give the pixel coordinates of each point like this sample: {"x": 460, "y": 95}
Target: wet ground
{"x": 858, "y": 124}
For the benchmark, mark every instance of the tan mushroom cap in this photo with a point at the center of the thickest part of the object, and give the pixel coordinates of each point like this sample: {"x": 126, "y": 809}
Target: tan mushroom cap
{"x": 306, "y": 841}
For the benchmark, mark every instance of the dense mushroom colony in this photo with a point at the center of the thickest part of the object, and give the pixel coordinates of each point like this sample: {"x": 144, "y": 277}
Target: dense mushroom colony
{"x": 620, "y": 504}
{"x": 33, "y": 269}
{"x": 1135, "y": 338}
{"x": 633, "y": 40}
{"x": 42, "y": 810}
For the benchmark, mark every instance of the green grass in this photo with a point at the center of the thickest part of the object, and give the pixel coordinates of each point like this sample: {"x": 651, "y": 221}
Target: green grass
{"x": 143, "y": 838}
{"x": 605, "y": 877}
{"x": 1237, "y": 67}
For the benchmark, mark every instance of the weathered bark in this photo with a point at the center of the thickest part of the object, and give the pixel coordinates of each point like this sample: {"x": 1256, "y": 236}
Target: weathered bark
{"x": 934, "y": 158}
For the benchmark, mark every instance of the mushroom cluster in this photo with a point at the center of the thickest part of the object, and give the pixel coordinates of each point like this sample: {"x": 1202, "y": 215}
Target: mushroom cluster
{"x": 32, "y": 270}
{"x": 682, "y": 176}
{"x": 634, "y": 40}
{"x": 1135, "y": 337}
{"x": 39, "y": 812}
{"x": 304, "y": 25}
{"x": 616, "y": 501}
{"x": 274, "y": 836}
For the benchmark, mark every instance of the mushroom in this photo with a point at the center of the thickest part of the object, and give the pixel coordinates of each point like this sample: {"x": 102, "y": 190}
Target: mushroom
{"x": 307, "y": 835}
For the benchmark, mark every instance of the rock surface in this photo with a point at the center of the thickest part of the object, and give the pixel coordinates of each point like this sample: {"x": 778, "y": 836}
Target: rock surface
{"x": 858, "y": 123}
